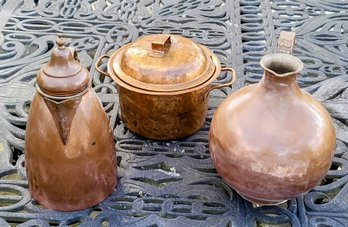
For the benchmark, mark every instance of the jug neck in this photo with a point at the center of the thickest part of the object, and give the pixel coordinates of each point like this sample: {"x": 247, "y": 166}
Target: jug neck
{"x": 280, "y": 71}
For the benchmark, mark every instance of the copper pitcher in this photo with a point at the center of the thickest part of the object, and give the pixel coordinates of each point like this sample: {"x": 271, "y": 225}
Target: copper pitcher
{"x": 69, "y": 150}
{"x": 272, "y": 141}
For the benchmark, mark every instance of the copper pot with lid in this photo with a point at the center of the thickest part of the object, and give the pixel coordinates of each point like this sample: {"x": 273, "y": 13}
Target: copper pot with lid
{"x": 164, "y": 83}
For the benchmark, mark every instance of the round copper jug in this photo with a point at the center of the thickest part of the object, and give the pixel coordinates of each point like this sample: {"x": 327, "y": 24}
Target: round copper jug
{"x": 69, "y": 151}
{"x": 272, "y": 141}
{"x": 163, "y": 83}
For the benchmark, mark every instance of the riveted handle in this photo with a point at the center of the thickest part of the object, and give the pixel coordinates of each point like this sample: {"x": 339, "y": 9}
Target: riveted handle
{"x": 286, "y": 42}
{"x": 233, "y": 79}
{"x": 160, "y": 46}
{"x": 97, "y": 64}
{"x": 61, "y": 45}
{"x": 74, "y": 53}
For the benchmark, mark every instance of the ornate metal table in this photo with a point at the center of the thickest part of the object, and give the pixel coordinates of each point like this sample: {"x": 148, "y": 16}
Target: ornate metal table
{"x": 172, "y": 183}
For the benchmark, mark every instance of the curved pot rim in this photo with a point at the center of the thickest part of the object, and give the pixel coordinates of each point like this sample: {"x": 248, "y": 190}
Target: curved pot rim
{"x": 216, "y": 71}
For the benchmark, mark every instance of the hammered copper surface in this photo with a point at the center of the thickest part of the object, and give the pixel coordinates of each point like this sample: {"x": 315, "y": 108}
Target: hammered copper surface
{"x": 165, "y": 116}
{"x": 272, "y": 141}
{"x": 161, "y": 116}
{"x": 161, "y": 61}
{"x": 165, "y": 95}
{"x": 69, "y": 151}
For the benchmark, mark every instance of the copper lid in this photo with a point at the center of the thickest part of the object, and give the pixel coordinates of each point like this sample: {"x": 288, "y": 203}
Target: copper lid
{"x": 63, "y": 75}
{"x": 163, "y": 63}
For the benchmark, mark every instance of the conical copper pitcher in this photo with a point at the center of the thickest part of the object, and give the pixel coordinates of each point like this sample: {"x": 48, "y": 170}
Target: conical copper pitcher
{"x": 69, "y": 150}
{"x": 272, "y": 141}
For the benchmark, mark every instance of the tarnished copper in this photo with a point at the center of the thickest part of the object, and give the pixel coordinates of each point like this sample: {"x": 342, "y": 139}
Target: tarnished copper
{"x": 272, "y": 141}
{"x": 184, "y": 65}
{"x": 69, "y": 151}
{"x": 164, "y": 97}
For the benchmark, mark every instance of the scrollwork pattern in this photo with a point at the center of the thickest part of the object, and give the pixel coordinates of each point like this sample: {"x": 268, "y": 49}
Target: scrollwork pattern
{"x": 173, "y": 183}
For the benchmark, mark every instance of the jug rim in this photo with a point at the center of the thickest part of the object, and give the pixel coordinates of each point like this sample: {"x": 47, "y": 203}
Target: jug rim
{"x": 281, "y": 64}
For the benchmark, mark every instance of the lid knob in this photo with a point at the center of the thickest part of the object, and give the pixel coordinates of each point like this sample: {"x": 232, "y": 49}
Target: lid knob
{"x": 60, "y": 42}
{"x": 160, "y": 46}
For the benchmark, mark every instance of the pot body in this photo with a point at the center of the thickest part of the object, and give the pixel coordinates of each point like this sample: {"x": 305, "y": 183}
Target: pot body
{"x": 163, "y": 83}
{"x": 75, "y": 173}
{"x": 272, "y": 141}
{"x": 164, "y": 117}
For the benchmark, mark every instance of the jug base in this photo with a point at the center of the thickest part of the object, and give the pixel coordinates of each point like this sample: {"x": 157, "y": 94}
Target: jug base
{"x": 259, "y": 203}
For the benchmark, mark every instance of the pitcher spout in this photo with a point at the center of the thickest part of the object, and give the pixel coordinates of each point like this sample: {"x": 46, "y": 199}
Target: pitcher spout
{"x": 281, "y": 65}
{"x": 63, "y": 112}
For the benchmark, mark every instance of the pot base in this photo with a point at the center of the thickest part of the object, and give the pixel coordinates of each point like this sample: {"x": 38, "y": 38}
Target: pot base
{"x": 259, "y": 202}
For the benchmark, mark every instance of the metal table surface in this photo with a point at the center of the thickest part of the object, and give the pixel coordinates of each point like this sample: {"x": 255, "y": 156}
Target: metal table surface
{"x": 172, "y": 183}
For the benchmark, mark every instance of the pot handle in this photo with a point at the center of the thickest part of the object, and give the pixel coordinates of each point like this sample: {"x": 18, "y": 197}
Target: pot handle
{"x": 97, "y": 64}
{"x": 286, "y": 42}
{"x": 234, "y": 77}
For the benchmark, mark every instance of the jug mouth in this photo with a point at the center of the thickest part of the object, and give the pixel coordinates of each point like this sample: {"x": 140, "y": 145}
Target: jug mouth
{"x": 281, "y": 64}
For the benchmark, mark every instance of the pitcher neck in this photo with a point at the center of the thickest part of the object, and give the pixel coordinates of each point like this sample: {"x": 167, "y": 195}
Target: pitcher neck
{"x": 280, "y": 71}
{"x": 272, "y": 80}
